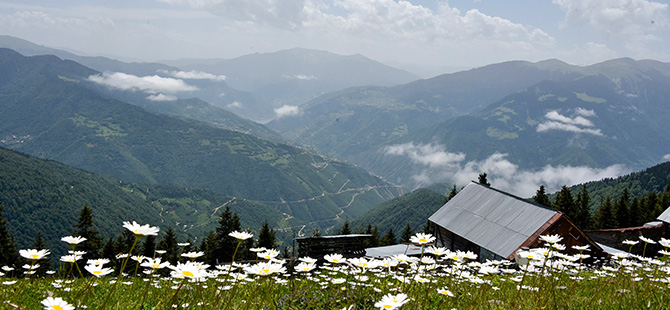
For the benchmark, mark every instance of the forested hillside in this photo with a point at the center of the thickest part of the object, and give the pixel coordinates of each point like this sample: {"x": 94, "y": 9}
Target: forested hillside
{"x": 411, "y": 209}
{"x": 627, "y": 201}
{"x": 47, "y": 110}
{"x": 46, "y": 197}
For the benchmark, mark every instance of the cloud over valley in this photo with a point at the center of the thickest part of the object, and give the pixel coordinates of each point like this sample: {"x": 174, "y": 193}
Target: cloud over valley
{"x": 153, "y": 84}
{"x": 434, "y": 164}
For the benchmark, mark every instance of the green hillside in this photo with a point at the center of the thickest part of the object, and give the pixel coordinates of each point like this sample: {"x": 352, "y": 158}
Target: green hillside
{"x": 642, "y": 183}
{"x": 348, "y": 123}
{"x": 498, "y": 108}
{"x": 43, "y": 196}
{"x": 412, "y": 208}
{"x": 586, "y": 122}
{"x": 47, "y": 110}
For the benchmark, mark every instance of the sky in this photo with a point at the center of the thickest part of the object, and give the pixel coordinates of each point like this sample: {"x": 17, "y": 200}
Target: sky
{"x": 457, "y": 33}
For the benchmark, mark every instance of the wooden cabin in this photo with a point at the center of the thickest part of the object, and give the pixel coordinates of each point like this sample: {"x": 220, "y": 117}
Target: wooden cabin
{"x": 495, "y": 225}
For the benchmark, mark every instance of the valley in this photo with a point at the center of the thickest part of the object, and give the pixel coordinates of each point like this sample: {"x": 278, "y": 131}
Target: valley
{"x": 338, "y": 151}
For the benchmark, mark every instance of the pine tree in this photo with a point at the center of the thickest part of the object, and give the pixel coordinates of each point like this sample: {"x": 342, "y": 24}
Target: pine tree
{"x": 188, "y": 247}
{"x": 622, "y": 209}
{"x": 109, "y": 252}
{"x": 45, "y": 264}
{"x": 266, "y": 237}
{"x": 124, "y": 242}
{"x": 584, "y": 219}
{"x": 483, "y": 180}
{"x": 374, "y": 240}
{"x": 207, "y": 246}
{"x": 168, "y": 243}
{"x": 406, "y": 234}
{"x": 541, "y": 197}
{"x": 565, "y": 203}
{"x": 93, "y": 243}
{"x": 604, "y": 217}
{"x": 149, "y": 246}
{"x": 452, "y": 193}
{"x": 345, "y": 230}
{"x": 244, "y": 252}
{"x": 225, "y": 244}
{"x": 428, "y": 228}
{"x": 388, "y": 238}
{"x": 634, "y": 212}
{"x": 9, "y": 254}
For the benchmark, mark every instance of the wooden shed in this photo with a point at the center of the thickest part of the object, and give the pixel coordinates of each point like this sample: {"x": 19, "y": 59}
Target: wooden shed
{"x": 347, "y": 245}
{"x": 495, "y": 224}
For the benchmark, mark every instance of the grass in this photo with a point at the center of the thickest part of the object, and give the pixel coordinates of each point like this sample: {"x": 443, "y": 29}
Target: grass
{"x": 452, "y": 280}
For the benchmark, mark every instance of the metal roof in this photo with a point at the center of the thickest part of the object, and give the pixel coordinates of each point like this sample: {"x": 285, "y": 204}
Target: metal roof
{"x": 335, "y": 236}
{"x": 665, "y": 216}
{"x": 495, "y": 220}
{"x": 390, "y": 250}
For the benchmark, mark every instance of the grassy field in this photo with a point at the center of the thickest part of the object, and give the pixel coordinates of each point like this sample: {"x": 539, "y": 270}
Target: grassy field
{"x": 438, "y": 280}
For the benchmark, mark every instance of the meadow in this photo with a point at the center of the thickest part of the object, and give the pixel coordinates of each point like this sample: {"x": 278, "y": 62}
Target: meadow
{"x": 540, "y": 278}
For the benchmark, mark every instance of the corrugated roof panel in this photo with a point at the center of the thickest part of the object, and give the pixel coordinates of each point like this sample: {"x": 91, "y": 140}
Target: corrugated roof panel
{"x": 390, "y": 250}
{"x": 491, "y": 219}
{"x": 665, "y": 216}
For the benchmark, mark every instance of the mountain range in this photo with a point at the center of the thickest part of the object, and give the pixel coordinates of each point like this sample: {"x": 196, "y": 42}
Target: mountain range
{"x": 538, "y": 114}
{"x": 49, "y": 108}
{"x": 186, "y": 125}
{"x": 252, "y": 86}
{"x": 291, "y": 77}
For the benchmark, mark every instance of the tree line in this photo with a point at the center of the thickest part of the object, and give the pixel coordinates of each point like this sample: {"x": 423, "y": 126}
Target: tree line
{"x": 612, "y": 212}
{"x": 217, "y": 247}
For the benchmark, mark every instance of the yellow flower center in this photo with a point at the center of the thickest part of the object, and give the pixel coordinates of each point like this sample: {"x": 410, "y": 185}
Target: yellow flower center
{"x": 265, "y": 270}
{"x": 57, "y": 307}
{"x": 336, "y": 260}
{"x": 97, "y": 272}
{"x": 388, "y": 306}
{"x": 155, "y": 266}
{"x": 422, "y": 240}
{"x": 34, "y": 256}
{"x": 187, "y": 273}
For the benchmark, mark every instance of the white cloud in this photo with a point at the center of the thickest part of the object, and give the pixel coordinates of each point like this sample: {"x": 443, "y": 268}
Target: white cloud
{"x": 585, "y": 112}
{"x": 437, "y": 165}
{"x": 666, "y": 157}
{"x": 426, "y": 154}
{"x": 379, "y": 29}
{"x": 149, "y": 84}
{"x": 613, "y": 17}
{"x": 557, "y": 121}
{"x": 578, "y": 120}
{"x": 194, "y": 75}
{"x": 161, "y": 97}
{"x": 300, "y": 77}
{"x": 283, "y": 14}
{"x": 234, "y": 104}
{"x": 287, "y": 110}
{"x": 548, "y": 126}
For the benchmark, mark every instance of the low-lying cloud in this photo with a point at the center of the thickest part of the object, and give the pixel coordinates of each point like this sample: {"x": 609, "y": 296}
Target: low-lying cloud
{"x": 194, "y": 75}
{"x": 305, "y": 77}
{"x": 234, "y": 104}
{"x": 287, "y": 110}
{"x": 430, "y": 155}
{"x": 435, "y": 164}
{"x": 161, "y": 97}
{"x": 153, "y": 84}
{"x": 578, "y": 123}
